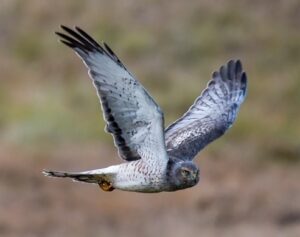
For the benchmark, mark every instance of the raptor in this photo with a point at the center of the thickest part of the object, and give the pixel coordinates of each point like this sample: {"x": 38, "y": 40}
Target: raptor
{"x": 156, "y": 159}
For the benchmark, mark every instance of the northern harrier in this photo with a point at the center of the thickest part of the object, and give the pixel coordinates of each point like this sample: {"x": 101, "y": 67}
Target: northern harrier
{"x": 157, "y": 159}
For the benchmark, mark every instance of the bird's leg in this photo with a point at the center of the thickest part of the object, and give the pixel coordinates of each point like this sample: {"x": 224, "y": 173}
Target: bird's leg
{"x": 106, "y": 185}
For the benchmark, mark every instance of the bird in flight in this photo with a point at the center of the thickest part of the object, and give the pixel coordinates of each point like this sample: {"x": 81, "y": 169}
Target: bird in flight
{"x": 157, "y": 159}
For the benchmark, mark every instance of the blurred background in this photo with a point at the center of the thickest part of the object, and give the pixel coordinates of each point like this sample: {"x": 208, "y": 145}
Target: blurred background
{"x": 50, "y": 117}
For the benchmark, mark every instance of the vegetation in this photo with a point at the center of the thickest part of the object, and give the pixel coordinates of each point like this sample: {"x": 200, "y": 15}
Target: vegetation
{"x": 50, "y": 116}
{"x": 46, "y": 97}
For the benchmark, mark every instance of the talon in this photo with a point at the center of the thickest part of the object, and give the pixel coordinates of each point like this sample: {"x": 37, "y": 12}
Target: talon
{"x": 106, "y": 186}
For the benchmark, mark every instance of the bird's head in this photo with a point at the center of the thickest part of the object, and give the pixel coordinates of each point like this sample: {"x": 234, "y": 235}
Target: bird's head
{"x": 184, "y": 174}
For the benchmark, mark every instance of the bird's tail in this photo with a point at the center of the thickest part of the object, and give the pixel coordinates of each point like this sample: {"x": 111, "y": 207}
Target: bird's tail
{"x": 105, "y": 181}
{"x": 76, "y": 176}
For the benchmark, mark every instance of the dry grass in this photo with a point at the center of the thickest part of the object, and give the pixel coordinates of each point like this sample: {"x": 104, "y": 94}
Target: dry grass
{"x": 234, "y": 198}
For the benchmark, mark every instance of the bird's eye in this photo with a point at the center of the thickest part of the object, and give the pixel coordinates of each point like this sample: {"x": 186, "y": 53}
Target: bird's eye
{"x": 185, "y": 173}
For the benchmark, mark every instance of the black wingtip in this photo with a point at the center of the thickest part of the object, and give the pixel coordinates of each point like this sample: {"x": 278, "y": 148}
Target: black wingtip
{"x": 67, "y": 43}
{"x": 78, "y": 28}
{"x": 215, "y": 74}
{"x": 82, "y": 42}
{"x": 223, "y": 72}
{"x": 111, "y": 53}
{"x": 244, "y": 78}
{"x": 244, "y": 83}
{"x": 231, "y": 69}
{"x": 238, "y": 67}
{"x": 77, "y": 40}
{"x": 65, "y": 27}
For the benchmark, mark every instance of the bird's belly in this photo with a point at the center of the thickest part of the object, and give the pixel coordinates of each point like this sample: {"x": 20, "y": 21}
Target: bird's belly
{"x": 138, "y": 176}
{"x": 140, "y": 183}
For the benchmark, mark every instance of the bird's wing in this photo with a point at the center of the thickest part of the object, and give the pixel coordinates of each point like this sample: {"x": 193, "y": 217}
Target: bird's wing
{"x": 132, "y": 116}
{"x": 213, "y": 112}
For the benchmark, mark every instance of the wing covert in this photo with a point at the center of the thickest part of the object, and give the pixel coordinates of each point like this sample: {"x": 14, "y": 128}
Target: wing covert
{"x": 212, "y": 113}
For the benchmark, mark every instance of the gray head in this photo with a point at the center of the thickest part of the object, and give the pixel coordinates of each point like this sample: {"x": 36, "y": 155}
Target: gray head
{"x": 182, "y": 174}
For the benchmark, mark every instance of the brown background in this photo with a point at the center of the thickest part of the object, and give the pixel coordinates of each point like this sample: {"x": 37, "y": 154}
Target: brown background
{"x": 50, "y": 117}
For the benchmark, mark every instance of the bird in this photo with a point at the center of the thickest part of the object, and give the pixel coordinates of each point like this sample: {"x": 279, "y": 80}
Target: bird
{"x": 155, "y": 159}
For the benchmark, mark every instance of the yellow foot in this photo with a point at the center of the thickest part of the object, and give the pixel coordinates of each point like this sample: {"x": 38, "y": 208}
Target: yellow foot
{"x": 106, "y": 186}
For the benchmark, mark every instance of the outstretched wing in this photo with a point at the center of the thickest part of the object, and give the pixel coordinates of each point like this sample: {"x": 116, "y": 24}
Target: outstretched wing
{"x": 213, "y": 112}
{"x": 132, "y": 116}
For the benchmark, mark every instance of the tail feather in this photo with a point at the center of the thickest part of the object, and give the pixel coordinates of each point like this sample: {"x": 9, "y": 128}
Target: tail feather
{"x": 105, "y": 177}
{"x": 79, "y": 176}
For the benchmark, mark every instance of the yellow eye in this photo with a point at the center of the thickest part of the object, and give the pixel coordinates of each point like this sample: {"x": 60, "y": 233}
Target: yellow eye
{"x": 185, "y": 173}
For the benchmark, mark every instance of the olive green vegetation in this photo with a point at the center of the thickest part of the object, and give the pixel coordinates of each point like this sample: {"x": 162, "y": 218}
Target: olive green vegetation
{"x": 47, "y": 99}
